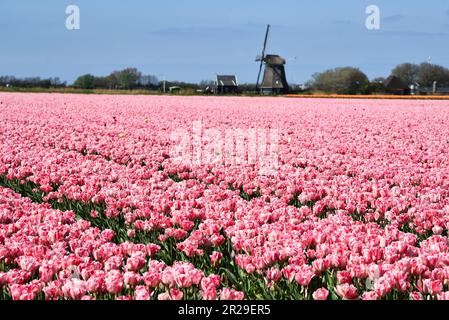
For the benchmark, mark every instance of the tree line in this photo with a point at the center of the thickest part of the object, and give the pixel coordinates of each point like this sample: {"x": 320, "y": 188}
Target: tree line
{"x": 345, "y": 80}
{"x": 349, "y": 80}
{"x": 129, "y": 78}
{"x": 126, "y": 79}
{"x": 31, "y": 82}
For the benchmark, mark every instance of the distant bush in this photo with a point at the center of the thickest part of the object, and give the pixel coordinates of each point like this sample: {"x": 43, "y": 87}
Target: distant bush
{"x": 86, "y": 81}
{"x": 346, "y": 80}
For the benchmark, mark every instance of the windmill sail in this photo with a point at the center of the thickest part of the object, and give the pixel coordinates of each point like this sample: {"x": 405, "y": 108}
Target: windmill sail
{"x": 262, "y": 57}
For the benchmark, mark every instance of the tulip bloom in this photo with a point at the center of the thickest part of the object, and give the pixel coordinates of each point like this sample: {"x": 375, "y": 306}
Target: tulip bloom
{"x": 320, "y": 294}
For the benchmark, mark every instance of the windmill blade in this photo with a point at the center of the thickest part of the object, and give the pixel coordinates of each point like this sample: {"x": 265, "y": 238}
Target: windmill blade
{"x": 262, "y": 58}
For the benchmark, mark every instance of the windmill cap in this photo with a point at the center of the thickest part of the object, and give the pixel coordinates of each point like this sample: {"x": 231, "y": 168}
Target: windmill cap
{"x": 274, "y": 59}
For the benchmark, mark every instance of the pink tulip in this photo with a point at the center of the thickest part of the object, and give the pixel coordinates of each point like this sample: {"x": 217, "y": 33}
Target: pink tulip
{"x": 443, "y": 296}
{"x": 131, "y": 233}
{"x": 320, "y": 294}
{"x": 370, "y": 296}
{"x": 274, "y": 274}
{"x": 142, "y": 293}
{"x": 216, "y": 257}
{"x": 131, "y": 279}
{"x": 344, "y": 277}
{"x": 209, "y": 294}
{"x": 176, "y": 294}
{"x": 152, "y": 249}
{"x": 114, "y": 282}
{"x": 347, "y": 292}
{"x": 230, "y": 294}
{"x": 164, "y": 296}
{"x": 416, "y": 296}
{"x": 108, "y": 235}
{"x": 94, "y": 214}
{"x": 74, "y": 289}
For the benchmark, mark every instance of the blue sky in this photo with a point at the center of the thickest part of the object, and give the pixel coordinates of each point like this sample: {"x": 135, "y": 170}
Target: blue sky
{"x": 194, "y": 40}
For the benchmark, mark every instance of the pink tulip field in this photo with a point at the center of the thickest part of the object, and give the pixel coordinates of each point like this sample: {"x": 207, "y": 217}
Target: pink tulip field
{"x": 94, "y": 203}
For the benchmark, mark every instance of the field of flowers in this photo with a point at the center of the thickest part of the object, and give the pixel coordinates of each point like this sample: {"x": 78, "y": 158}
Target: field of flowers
{"x": 93, "y": 205}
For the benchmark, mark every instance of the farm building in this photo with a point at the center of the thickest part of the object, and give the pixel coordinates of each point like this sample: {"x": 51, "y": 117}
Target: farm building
{"x": 274, "y": 78}
{"x": 441, "y": 91}
{"x": 226, "y": 84}
{"x": 394, "y": 85}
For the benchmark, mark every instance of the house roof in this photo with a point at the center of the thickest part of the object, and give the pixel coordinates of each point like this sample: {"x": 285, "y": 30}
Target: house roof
{"x": 227, "y": 81}
{"x": 394, "y": 83}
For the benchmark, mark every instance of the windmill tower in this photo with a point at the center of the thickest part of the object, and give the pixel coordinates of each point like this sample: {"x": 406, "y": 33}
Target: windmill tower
{"x": 274, "y": 80}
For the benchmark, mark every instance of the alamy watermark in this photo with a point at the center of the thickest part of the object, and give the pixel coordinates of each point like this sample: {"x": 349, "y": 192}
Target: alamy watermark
{"x": 373, "y": 277}
{"x": 73, "y": 20}
{"x": 230, "y": 147}
{"x": 372, "y": 22}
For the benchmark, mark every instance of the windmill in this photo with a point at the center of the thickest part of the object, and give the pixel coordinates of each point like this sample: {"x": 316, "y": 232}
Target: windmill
{"x": 274, "y": 78}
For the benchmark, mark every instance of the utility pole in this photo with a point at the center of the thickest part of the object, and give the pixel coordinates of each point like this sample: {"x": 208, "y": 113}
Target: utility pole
{"x": 164, "y": 80}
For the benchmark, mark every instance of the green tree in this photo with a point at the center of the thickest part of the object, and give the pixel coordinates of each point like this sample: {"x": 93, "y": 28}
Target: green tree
{"x": 346, "y": 80}
{"x": 407, "y": 72}
{"x": 429, "y": 73}
{"x": 111, "y": 81}
{"x": 86, "y": 81}
{"x": 127, "y": 78}
{"x": 101, "y": 82}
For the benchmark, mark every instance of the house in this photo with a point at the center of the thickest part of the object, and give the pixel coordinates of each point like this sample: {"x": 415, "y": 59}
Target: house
{"x": 226, "y": 84}
{"x": 394, "y": 85}
{"x": 174, "y": 90}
